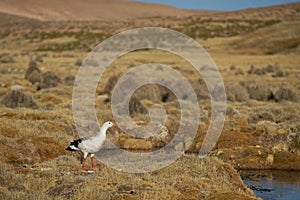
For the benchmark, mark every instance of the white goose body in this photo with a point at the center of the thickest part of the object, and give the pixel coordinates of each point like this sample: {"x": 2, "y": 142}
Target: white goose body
{"x": 90, "y": 145}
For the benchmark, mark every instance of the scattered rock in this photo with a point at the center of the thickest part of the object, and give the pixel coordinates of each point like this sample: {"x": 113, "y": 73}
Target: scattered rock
{"x": 16, "y": 87}
{"x": 46, "y": 169}
{"x": 179, "y": 147}
{"x": 259, "y": 152}
{"x": 281, "y": 132}
{"x": 104, "y": 98}
{"x": 220, "y": 152}
{"x": 188, "y": 142}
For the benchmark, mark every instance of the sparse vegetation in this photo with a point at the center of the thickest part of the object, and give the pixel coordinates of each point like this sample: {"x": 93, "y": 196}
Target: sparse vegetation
{"x": 261, "y": 123}
{"x": 112, "y": 81}
{"x": 188, "y": 177}
{"x": 135, "y": 106}
{"x": 49, "y": 80}
{"x": 6, "y": 58}
{"x": 16, "y": 99}
{"x": 236, "y": 93}
{"x": 33, "y": 73}
{"x": 260, "y": 93}
{"x": 69, "y": 80}
{"x": 287, "y": 94}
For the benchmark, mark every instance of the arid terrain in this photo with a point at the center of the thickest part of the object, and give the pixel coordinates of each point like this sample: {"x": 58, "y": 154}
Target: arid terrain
{"x": 256, "y": 51}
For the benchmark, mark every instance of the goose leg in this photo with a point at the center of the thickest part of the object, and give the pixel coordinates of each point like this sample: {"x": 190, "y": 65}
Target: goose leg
{"x": 93, "y": 160}
{"x": 85, "y": 154}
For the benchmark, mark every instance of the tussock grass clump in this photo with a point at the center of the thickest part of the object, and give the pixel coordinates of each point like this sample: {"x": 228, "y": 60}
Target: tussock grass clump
{"x": 152, "y": 92}
{"x": 256, "y": 71}
{"x": 78, "y": 62}
{"x": 33, "y": 74}
{"x": 275, "y": 70}
{"x": 200, "y": 88}
{"x": 270, "y": 68}
{"x": 279, "y": 73}
{"x": 232, "y": 67}
{"x": 239, "y": 71}
{"x": 287, "y": 94}
{"x": 110, "y": 84}
{"x": 236, "y": 93}
{"x": 91, "y": 62}
{"x": 260, "y": 93}
{"x": 17, "y": 98}
{"x": 135, "y": 106}
{"x": 34, "y": 77}
{"x": 49, "y": 80}
{"x": 69, "y": 80}
{"x": 6, "y": 58}
{"x": 155, "y": 93}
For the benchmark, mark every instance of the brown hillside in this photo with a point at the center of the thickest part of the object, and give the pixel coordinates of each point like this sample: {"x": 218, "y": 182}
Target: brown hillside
{"x": 57, "y": 10}
{"x": 279, "y": 12}
{"x": 77, "y": 10}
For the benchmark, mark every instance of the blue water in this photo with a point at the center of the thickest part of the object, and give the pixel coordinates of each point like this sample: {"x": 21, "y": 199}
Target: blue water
{"x": 273, "y": 185}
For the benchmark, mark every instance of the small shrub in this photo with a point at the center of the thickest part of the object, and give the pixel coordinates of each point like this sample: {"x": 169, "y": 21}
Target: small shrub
{"x": 69, "y": 80}
{"x": 34, "y": 77}
{"x": 239, "y": 71}
{"x": 256, "y": 71}
{"x": 260, "y": 93}
{"x": 251, "y": 70}
{"x": 218, "y": 94}
{"x": 236, "y": 93}
{"x": 285, "y": 94}
{"x": 135, "y": 106}
{"x": 155, "y": 93}
{"x": 39, "y": 58}
{"x": 78, "y": 62}
{"x": 270, "y": 69}
{"x": 279, "y": 73}
{"x": 259, "y": 72}
{"x": 33, "y": 73}
{"x": 112, "y": 81}
{"x": 32, "y": 64}
{"x": 295, "y": 143}
{"x": 232, "y": 67}
{"x": 91, "y": 63}
{"x": 50, "y": 79}
{"x": 6, "y": 58}
{"x": 17, "y": 98}
{"x": 200, "y": 88}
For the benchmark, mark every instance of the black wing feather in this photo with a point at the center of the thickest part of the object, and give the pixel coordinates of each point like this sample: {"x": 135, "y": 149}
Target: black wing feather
{"x": 75, "y": 143}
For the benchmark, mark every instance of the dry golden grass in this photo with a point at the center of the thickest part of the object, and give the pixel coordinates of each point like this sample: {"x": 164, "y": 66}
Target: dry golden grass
{"x": 62, "y": 178}
{"x": 259, "y": 133}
